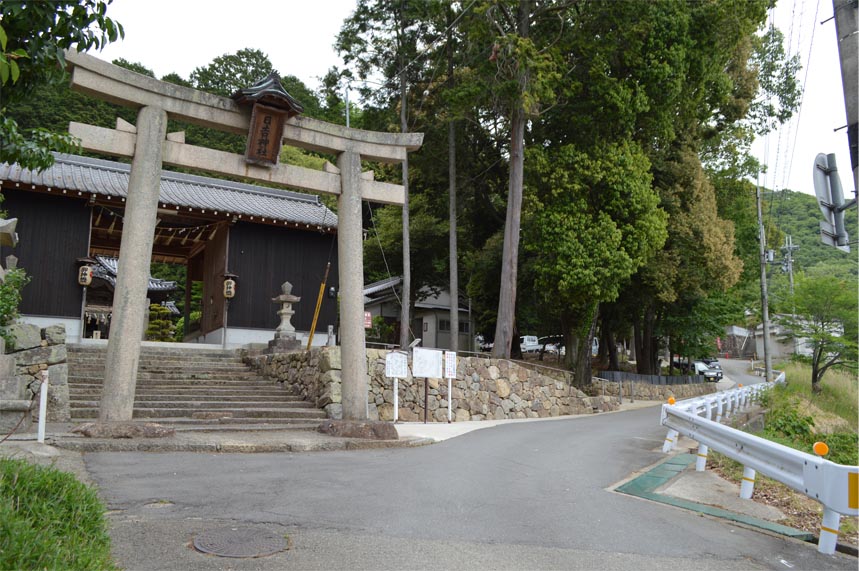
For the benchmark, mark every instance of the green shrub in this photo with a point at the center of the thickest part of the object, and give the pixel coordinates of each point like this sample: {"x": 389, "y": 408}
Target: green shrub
{"x": 10, "y": 297}
{"x": 50, "y": 520}
{"x": 179, "y": 333}
{"x": 787, "y": 421}
{"x": 843, "y": 447}
{"x": 783, "y": 418}
{"x": 160, "y": 326}
{"x": 785, "y": 424}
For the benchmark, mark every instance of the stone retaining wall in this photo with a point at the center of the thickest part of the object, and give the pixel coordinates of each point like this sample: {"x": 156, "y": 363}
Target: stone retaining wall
{"x": 484, "y": 388}
{"x": 646, "y": 391}
{"x": 35, "y": 350}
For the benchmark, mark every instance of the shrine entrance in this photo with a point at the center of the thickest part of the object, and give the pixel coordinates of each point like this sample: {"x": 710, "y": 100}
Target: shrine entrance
{"x": 270, "y": 117}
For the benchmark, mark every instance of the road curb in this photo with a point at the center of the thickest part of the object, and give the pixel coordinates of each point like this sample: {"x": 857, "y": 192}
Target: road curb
{"x": 238, "y": 445}
{"x": 646, "y": 484}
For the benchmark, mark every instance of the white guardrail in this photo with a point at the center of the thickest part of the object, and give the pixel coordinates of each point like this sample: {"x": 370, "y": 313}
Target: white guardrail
{"x": 835, "y": 486}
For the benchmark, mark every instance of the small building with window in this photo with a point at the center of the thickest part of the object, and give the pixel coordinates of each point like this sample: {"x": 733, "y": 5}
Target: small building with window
{"x": 430, "y": 319}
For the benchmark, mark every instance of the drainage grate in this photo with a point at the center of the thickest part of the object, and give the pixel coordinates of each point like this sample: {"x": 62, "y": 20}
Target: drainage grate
{"x": 239, "y": 542}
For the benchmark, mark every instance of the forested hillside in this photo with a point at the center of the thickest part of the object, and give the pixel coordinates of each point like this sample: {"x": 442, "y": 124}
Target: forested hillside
{"x": 797, "y": 214}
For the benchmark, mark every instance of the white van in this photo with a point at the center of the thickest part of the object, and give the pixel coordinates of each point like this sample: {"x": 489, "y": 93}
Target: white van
{"x": 529, "y": 344}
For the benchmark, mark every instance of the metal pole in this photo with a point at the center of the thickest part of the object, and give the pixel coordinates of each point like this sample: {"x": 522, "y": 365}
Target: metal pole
{"x": 396, "y": 400}
{"x": 845, "y": 13}
{"x": 449, "y": 407}
{"x": 43, "y": 406}
{"x": 828, "y": 531}
{"x": 765, "y": 313}
{"x": 318, "y": 304}
{"x": 701, "y": 460}
{"x": 83, "y": 316}
{"x": 426, "y": 399}
{"x": 748, "y": 484}
{"x": 226, "y": 314}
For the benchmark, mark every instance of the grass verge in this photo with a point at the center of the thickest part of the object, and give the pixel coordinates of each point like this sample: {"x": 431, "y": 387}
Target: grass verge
{"x": 840, "y": 394}
{"x": 796, "y": 417}
{"x": 50, "y": 520}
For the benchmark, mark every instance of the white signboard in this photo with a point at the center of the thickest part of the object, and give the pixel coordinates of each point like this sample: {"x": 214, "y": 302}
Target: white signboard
{"x": 426, "y": 363}
{"x": 449, "y": 364}
{"x": 396, "y": 365}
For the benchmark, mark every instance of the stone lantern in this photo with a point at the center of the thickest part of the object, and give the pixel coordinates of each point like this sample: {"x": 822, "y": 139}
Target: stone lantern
{"x": 284, "y": 335}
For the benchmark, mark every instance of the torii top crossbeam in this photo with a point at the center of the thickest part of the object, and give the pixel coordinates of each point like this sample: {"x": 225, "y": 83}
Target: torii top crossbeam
{"x": 151, "y": 147}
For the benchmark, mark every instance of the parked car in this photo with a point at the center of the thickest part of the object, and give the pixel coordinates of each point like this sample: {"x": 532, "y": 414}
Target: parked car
{"x": 710, "y": 374}
{"x": 529, "y": 344}
{"x": 483, "y": 344}
{"x": 551, "y": 343}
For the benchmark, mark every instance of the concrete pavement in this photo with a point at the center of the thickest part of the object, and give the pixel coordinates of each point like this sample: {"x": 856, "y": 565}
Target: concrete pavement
{"x": 65, "y": 451}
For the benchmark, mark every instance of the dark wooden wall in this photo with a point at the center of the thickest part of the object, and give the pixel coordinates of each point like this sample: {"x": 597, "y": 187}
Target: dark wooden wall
{"x": 214, "y": 267}
{"x": 266, "y": 256}
{"x": 54, "y": 232}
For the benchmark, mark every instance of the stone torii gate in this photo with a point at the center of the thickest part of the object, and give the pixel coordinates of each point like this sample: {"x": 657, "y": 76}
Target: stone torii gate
{"x": 150, "y": 146}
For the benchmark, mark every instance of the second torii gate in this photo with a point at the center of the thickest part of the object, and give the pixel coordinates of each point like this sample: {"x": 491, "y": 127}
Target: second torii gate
{"x": 150, "y": 146}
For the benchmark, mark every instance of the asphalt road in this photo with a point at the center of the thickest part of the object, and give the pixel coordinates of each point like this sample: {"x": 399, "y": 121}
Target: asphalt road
{"x": 738, "y": 371}
{"x": 524, "y": 496}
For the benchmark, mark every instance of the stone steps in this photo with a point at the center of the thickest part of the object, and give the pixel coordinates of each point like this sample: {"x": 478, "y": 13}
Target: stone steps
{"x": 143, "y": 378}
{"x": 197, "y": 404}
{"x": 270, "y": 396}
{"x": 162, "y": 367}
{"x": 211, "y": 413}
{"x": 191, "y": 389}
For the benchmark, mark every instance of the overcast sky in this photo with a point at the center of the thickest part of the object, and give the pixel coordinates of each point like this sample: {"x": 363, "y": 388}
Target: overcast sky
{"x": 298, "y": 36}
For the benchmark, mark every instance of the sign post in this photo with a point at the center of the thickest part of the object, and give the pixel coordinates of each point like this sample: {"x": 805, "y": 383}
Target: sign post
{"x": 450, "y": 373}
{"x": 397, "y": 367}
{"x": 426, "y": 363}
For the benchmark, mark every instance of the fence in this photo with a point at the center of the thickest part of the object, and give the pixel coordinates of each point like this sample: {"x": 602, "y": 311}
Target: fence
{"x": 618, "y": 376}
{"x": 834, "y": 485}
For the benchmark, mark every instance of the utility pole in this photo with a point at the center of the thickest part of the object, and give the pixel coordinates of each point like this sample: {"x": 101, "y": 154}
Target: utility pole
{"x": 847, "y": 36}
{"x": 405, "y": 318}
{"x": 765, "y": 312}
{"x": 788, "y": 249}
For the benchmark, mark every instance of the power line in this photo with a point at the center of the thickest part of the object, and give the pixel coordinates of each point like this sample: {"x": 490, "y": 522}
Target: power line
{"x": 799, "y": 110}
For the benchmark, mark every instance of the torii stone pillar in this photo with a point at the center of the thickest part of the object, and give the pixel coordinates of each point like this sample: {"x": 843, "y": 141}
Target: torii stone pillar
{"x": 351, "y": 270}
{"x": 159, "y": 100}
{"x": 132, "y": 275}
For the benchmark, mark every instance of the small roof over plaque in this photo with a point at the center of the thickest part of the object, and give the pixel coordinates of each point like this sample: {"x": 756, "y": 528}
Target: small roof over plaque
{"x": 269, "y": 91}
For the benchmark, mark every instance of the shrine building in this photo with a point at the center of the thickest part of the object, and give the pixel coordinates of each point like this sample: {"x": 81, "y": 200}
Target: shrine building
{"x": 72, "y": 214}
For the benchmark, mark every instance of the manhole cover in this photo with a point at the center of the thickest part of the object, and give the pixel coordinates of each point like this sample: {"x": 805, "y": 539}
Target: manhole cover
{"x": 239, "y": 542}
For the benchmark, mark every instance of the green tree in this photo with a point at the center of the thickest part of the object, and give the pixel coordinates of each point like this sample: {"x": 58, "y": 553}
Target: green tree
{"x": 519, "y": 77}
{"x": 595, "y": 222}
{"x": 826, "y": 319}
{"x": 228, "y": 73}
{"x": 10, "y": 297}
{"x": 33, "y": 38}
{"x": 160, "y": 326}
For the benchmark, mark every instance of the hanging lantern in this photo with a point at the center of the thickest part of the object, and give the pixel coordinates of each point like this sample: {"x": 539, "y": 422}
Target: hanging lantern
{"x": 229, "y": 288}
{"x": 85, "y": 275}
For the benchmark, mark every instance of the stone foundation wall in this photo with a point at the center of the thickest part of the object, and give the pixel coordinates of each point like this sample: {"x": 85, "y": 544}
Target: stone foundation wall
{"x": 484, "y": 388}
{"x": 35, "y": 350}
{"x": 646, "y": 391}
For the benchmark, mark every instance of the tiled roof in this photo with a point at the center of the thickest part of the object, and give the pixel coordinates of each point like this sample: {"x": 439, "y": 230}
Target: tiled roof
{"x": 107, "y": 268}
{"x": 376, "y": 287}
{"x": 109, "y": 178}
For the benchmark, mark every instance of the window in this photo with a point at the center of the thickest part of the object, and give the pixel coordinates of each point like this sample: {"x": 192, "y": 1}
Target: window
{"x": 444, "y": 325}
